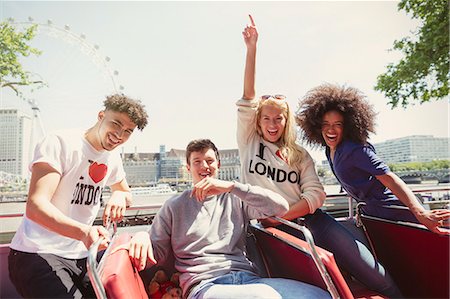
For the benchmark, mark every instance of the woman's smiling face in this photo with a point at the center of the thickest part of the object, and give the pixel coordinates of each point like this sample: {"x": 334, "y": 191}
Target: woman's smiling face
{"x": 333, "y": 128}
{"x": 272, "y": 123}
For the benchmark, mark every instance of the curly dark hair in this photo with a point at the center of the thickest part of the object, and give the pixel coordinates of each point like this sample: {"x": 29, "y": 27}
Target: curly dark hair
{"x": 134, "y": 108}
{"x": 359, "y": 116}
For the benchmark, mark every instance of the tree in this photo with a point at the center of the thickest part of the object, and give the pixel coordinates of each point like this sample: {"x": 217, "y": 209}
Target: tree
{"x": 14, "y": 45}
{"x": 432, "y": 165}
{"x": 423, "y": 74}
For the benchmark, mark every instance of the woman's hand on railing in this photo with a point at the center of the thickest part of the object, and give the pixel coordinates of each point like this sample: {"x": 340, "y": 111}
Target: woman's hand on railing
{"x": 140, "y": 250}
{"x": 437, "y": 221}
{"x": 269, "y": 222}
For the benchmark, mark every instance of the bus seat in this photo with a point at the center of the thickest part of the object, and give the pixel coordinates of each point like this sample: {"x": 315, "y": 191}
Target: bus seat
{"x": 416, "y": 258}
{"x": 289, "y": 257}
{"x": 115, "y": 277}
{"x": 120, "y": 278}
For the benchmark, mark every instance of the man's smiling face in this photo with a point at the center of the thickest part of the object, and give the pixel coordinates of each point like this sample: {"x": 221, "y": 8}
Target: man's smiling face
{"x": 203, "y": 164}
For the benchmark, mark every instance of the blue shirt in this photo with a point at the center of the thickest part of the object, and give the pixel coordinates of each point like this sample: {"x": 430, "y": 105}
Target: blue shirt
{"x": 356, "y": 167}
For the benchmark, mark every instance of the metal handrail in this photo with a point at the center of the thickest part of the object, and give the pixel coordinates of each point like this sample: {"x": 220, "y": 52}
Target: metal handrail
{"x": 315, "y": 256}
{"x": 95, "y": 269}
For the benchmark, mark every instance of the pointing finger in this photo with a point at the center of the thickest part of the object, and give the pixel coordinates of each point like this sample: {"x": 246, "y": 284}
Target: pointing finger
{"x": 251, "y": 20}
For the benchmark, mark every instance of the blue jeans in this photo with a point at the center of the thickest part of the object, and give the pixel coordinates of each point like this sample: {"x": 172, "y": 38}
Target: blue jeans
{"x": 240, "y": 284}
{"x": 350, "y": 254}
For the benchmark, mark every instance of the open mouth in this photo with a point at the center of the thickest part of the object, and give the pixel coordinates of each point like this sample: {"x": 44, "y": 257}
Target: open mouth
{"x": 205, "y": 174}
{"x": 113, "y": 140}
{"x": 272, "y": 132}
{"x": 331, "y": 137}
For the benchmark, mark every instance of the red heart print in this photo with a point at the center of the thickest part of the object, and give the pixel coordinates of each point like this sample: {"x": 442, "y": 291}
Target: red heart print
{"x": 97, "y": 171}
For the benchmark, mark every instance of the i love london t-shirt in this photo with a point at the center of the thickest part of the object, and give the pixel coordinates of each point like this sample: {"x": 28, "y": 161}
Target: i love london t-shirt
{"x": 84, "y": 174}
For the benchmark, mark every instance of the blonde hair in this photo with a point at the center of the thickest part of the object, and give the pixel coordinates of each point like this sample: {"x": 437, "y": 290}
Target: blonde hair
{"x": 290, "y": 150}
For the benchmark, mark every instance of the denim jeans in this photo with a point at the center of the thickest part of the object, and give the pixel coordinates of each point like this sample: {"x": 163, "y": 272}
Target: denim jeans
{"x": 350, "y": 254}
{"x": 240, "y": 284}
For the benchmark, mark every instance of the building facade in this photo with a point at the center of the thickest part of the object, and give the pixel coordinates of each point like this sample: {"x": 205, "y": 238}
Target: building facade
{"x": 15, "y": 145}
{"x": 173, "y": 168}
{"x": 230, "y": 168}
{"x": 141, "y": 169}
{"x": 170, "y": 167}
{"x": 415, "y": 148}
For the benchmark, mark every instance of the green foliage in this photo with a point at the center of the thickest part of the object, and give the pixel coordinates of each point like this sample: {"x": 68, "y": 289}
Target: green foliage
{"x": 423, "y": 73}
{"x": 13, "y": 46}
{"x": 433, "y": 165}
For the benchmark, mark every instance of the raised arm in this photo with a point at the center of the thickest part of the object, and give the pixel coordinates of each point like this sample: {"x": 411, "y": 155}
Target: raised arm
{"x": 44, "y": 181}
{"x": 250, "y": 34}
{"x": 431, "y": 219}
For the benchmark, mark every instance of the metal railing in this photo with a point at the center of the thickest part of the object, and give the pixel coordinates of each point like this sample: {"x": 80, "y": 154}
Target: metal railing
{"x": 95, "y": 269}
{"x": 138, "y": 208}
{"x": 314, "y": 254}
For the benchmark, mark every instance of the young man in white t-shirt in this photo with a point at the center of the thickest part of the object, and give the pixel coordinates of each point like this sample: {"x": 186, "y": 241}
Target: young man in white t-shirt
{"x": 69, "y": 172}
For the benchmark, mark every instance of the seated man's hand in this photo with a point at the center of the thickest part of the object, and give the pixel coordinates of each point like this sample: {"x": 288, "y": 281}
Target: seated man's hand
{"x": 210, "y": 186}
{"x": 140, "y": 249}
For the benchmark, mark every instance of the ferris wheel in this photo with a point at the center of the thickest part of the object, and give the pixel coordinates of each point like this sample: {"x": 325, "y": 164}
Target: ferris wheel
{"x": 74, "y": 70}
{"x": 66, "y": 35}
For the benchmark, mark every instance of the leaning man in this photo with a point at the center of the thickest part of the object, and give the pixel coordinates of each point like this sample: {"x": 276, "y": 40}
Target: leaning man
{"x": 68, "y": 174}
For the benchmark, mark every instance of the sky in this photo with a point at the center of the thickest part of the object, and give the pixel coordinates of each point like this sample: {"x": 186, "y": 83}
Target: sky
{"x": 185, "y": 62}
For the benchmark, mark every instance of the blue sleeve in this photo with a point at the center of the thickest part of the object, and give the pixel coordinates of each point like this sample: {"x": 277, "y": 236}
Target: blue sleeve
{"x": 367, "y": 160}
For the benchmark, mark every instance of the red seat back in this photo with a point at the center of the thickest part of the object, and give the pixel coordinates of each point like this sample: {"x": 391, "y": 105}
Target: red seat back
{"x": 416, "y": 258}
{"x": 287, "y": 256}
{"x": 120, "y": 278}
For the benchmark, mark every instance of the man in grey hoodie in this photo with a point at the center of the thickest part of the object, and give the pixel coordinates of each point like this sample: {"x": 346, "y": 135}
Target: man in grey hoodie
{"x": 204, "y": 230}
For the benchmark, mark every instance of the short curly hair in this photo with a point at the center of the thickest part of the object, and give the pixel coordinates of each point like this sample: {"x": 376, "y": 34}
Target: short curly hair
{"x": 359, "y": 116}
{"x": 134, "y": 108}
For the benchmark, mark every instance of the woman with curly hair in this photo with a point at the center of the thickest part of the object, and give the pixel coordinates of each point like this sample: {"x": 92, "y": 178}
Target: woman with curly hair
{"x": 340, "y": 118}
{"x": 271, "y": 159}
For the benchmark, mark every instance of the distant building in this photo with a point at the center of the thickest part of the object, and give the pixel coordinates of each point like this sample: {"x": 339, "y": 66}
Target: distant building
{"x": 15, "y": 136}
{"x": 170, "y": 167}
{"x": 230, "y": 168}
{"x": 173, "y": 167}
{"x": 415, "y": 148}
{"x": 141, "y": 169}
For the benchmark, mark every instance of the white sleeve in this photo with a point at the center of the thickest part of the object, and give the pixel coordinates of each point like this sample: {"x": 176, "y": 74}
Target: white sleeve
{"x": 49, "y": 150}
{"x": 246, "y": 113}
{"x": 311, "y": 188}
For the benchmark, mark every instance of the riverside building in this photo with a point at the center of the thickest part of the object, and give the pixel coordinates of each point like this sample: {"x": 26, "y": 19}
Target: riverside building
{"x": 415, "y": 148}
{"x": 170, "y": 167}
{"x": 15, "y": 145}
